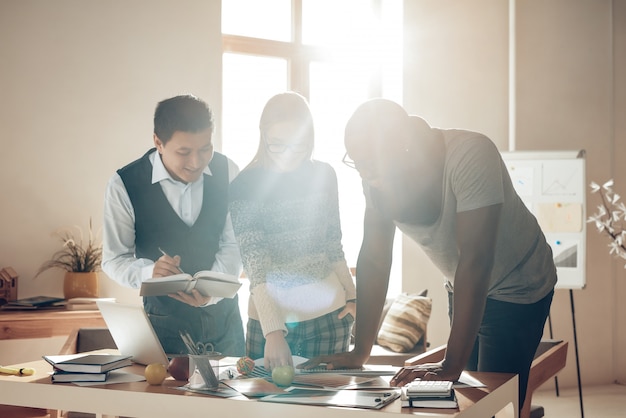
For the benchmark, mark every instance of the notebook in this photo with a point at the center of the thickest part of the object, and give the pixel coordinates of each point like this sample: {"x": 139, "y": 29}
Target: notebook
{"x": 132, "y": 332}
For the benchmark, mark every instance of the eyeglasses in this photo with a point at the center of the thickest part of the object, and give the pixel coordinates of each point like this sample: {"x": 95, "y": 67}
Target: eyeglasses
{"x": 280, "y": 148}
{"x": 348, "y": 161}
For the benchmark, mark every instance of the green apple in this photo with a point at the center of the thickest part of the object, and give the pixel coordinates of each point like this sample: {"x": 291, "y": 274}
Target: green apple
{"x": 283, "y": 375}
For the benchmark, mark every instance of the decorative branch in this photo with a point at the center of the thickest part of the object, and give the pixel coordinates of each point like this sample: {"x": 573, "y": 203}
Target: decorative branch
{"x": 610, "y": 218}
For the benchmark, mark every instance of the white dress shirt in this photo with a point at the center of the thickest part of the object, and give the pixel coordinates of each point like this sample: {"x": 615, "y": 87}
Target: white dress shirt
{"x": 118, "y": 246}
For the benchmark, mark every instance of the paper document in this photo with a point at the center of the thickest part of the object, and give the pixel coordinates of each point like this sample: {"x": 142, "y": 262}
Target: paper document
{"x": 466, "y": 381}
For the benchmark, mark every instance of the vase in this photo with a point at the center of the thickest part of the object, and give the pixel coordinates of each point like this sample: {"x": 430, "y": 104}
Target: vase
{"x": 80, "y": 284}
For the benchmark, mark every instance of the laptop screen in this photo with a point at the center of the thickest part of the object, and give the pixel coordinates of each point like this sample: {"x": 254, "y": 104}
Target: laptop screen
{"x": 132, "y": 332}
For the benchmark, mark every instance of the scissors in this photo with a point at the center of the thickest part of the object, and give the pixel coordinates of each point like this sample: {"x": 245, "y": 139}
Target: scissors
{"x": 198, "y": 348}
{"x": 206, "y": 349}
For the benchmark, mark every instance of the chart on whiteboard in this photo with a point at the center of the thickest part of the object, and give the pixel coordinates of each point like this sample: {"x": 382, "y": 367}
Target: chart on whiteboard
{"x": 552, "y": 185}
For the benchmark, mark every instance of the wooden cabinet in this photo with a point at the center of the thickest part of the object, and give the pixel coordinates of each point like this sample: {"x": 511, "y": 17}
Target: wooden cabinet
{"x": 16, "y": 325}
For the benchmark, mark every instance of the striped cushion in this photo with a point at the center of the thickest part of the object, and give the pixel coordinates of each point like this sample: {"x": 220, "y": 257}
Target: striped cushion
{"x": 405, "y": 323}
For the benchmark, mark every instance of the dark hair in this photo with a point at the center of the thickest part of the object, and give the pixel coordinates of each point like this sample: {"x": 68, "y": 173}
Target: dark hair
{"x": 185, "y": 113}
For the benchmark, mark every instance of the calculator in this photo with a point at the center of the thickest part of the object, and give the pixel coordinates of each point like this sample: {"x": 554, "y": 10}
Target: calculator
{"x": 429, "y": 388}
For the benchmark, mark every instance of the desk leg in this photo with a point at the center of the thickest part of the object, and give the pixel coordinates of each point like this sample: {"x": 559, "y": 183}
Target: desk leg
{"x": 516, "y": 405}
{"x": 498, "y": 401}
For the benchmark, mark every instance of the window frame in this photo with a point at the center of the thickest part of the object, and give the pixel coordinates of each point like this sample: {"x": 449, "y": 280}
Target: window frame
{"x": 298, "y": 55}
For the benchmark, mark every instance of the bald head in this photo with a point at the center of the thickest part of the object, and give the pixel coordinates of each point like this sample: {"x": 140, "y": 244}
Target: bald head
{"x": 377, "y": 122}
{"x": 384, "y": 127}
{"x": 399, "y": 156}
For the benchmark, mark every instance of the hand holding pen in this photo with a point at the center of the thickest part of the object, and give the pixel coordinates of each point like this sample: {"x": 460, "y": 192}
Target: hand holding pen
{"x": 167, "y": 265}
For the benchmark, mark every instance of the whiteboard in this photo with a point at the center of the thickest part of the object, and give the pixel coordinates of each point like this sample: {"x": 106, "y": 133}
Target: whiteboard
{"x": 552, "y": 185}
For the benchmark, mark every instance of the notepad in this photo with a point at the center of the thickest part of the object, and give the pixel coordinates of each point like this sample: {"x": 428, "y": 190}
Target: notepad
{"x": 429, "y": 388}
{"x": 449, "y": 402}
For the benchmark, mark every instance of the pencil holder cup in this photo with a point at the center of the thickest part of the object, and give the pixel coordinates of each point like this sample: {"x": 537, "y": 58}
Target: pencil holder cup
{"x": 204, "y": 370}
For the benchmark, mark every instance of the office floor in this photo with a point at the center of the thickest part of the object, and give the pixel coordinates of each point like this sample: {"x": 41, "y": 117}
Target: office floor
{"x": 607, "y": 401}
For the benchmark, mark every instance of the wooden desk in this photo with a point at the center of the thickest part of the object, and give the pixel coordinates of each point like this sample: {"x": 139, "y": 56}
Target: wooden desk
{"x": 139, "y": 399}
{"x": 45, "y": 323}
{"x": 549, "y": 359}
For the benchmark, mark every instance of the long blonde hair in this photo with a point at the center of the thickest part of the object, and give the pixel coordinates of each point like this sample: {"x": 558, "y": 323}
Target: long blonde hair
{"x": 283, "y": 107}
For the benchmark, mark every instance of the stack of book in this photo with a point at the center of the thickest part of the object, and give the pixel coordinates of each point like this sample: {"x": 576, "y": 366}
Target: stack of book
{"x": 34, "y": 302}
{"x": 85, "y": 367}
{"x": 429, "y": 394}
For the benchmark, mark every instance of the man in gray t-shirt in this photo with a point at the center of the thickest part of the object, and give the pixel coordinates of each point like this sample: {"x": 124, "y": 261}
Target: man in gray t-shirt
{"x": 475, "y": 177}
{"x": 450, "y": 192}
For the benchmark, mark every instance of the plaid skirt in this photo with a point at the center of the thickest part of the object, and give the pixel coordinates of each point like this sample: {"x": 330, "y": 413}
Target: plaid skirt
{"x": 319, "y": 336}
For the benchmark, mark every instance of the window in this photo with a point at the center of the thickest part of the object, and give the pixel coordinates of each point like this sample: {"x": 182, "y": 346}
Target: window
{"x": 335, "y": 53}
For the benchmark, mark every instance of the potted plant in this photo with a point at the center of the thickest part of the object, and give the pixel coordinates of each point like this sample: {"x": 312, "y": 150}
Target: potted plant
{"x": 81, "y": 261}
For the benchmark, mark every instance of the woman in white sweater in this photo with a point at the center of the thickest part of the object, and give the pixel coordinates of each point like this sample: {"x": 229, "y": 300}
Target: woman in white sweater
{"x": 285, "y": 214}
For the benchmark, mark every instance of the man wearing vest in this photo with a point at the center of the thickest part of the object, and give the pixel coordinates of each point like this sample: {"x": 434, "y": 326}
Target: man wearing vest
{"x": 174, "y": 200}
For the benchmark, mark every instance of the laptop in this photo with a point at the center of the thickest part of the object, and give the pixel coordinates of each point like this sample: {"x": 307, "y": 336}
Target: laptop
{"x": 132, "y": 332}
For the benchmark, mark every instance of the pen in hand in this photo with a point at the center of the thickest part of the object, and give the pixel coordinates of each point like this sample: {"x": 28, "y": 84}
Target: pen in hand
{"x": 166, "y": 254}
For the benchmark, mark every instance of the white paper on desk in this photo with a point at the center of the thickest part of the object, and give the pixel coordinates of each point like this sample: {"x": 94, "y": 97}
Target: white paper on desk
{"x": 367, "y": 370}
{"x": 332, "y": 380}
{"x": 467, "y": 381}
{"x": 222, "y": 390}
{"x": 115, "y": 377}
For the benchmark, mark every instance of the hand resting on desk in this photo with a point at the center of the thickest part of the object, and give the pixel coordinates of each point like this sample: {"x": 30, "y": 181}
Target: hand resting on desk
{"x": 426, "y": 371}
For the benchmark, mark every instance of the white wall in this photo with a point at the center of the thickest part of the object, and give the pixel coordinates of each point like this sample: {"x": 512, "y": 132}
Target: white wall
{"x": 79, "y": 84}
{"x": 570, "y": 89}
{"x": 455, "y": 76}
{"x": 617, "y": 276}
